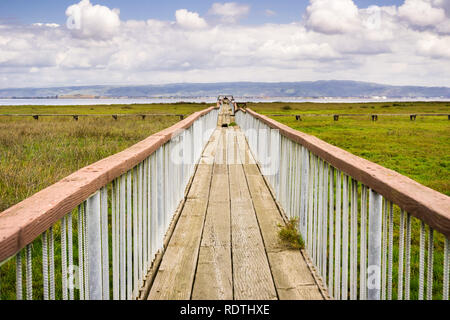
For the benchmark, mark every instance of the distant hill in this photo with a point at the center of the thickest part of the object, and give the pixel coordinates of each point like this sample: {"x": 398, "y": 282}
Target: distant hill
{"x": 333, "y": 88}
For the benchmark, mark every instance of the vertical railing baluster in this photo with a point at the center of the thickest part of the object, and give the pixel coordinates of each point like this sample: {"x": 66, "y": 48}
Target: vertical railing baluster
{"x": 70, "y": 255}
{"x": 115, "y": 240}
{"x": 319, "y": 222}
{"x": 401, "y": 255}
{"x": 64, "y": 258}
{"x": 391, "y": 251}
{"x": 294, "y": 180}
{"x": 179, "y": 183}
{"x": 446, "y": 269}
{"x": 80, "y": 251}
{"x": 345, "y": 239}
{"x": 331, "y": 233}
{"x": 315, "y": 203}
{"x": 325, "y": 224}
{"x": 353, "y": 239}
{"x": 422, "y": 260}
{"x": 363, "y": 246}
{"x": 28, "y": 272}
{"x": 384, "y": 251}
{"x": 282, "y": 176}
{"x": 160, "y": 191}
{"x": 19, "y": 287}
{"x": 374, "y": 251}
{"x": 144, "y": 216}
{"x": 430, "y": 264}
{"x": 51, "y": 249}
{"x": 304, "y": 194}
{"x": 282, "y": 173}
{"x": 310, "y": 202}
{"x": 86, "y": 252}
{"x": 105, "y": 242}
{"x": 129, "y": 239}
{"x": 123, "y": 239}
{"x": 276, "y": 156}
{"x": 298, "y": 183}
{"x": 94, "y": 248}
{"x": 166, "y": 177}
{"x": 135, "y": 232}
{"x": 337, "y": 264}
{"x": 45, "y": 265}
{"x": 408, "y": 256}
{"x": 155, "y": 194}
{"x": 140, "y": 201}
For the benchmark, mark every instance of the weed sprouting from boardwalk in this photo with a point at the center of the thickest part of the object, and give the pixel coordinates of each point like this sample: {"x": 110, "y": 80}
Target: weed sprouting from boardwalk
{"x": 289, "y": 234}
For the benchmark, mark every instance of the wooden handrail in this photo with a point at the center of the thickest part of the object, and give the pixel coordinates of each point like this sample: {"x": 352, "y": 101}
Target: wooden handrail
{"x": 428, "y": 205}
{"x": 23, "y": 222}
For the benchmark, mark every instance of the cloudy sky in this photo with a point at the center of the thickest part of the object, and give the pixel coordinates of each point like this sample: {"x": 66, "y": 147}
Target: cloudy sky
{"x": 63, "y": 42}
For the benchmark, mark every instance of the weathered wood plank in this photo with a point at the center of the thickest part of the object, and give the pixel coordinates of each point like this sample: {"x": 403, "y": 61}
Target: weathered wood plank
{"x": 175, "y": 276}
{"x": 220, "y": 166}
{"x": 198, "y": 189}
{"x": 291, "y": 275}
{"x": 208, "y": 154}
{"x": 252, "y": 277}
{"x": 213, "y": 279}
{"x": 244, "y": 154}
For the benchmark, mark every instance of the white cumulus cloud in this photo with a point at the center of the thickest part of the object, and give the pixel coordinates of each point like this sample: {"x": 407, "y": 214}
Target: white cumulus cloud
{"x": 421, "y": 13}
{"x": 92, "y": 21}
{"x": 190, "y": 20}
{"x": 229, "y": 11}
{"x": 332, "y": 16}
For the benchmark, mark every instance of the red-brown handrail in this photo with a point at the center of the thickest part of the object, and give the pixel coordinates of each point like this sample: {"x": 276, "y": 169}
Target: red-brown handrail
{"x": 428, "y": 205}
{"x": 23, "y": 222}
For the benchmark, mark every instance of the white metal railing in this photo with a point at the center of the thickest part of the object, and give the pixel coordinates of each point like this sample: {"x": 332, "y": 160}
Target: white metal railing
{"x": 362, "y": 243}
{"x": 104, "y": 244}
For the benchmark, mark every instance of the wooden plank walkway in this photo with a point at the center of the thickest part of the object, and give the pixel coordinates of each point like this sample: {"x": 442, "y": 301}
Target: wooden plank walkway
{"x": 225, "y": 245}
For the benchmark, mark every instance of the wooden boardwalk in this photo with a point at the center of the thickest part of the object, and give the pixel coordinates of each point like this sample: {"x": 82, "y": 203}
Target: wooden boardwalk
{"x": 225, "y": 244}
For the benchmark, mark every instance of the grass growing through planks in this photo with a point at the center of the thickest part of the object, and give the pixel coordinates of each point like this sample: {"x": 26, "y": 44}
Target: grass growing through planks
{"x": 289, "y": 234}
